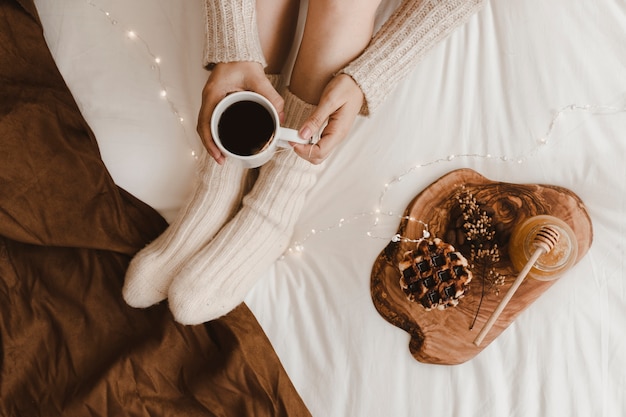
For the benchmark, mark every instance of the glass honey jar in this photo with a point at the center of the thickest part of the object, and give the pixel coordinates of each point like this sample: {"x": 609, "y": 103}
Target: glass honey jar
{"x": 550, "y": 265}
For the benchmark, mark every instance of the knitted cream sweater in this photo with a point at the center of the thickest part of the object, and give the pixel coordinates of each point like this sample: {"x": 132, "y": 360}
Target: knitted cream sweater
{"x": 413, "y": 29}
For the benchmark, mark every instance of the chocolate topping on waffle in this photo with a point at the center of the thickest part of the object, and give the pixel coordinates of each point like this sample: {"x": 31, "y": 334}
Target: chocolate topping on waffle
{"x": 434, "y": 274}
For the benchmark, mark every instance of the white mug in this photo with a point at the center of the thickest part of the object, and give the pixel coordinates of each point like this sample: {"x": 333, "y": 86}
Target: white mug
{"x": 246, "y": 126}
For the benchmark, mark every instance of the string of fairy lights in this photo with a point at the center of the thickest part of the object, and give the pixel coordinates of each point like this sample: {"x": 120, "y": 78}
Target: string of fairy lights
{"x": 379, "y": 211}
{"x": 155, "y": 62}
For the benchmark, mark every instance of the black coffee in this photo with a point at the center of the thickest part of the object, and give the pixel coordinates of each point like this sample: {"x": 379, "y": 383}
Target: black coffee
{"x": 245, "y": 127}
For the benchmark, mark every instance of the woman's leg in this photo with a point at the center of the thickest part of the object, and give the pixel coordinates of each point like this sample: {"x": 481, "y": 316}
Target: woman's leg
{"x": 218, "y": 277}
{"x": 335, "y": 32}
{"x": 219, "y": 188}
{"x": 277, "y": 21}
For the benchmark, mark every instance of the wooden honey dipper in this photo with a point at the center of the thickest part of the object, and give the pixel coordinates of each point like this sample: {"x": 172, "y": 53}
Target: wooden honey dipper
{"x": 544, "y": 242}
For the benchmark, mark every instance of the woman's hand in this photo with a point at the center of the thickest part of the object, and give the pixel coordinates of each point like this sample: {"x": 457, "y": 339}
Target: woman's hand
{"x": 339, "y": 104}
{"x": 226, "y": 78}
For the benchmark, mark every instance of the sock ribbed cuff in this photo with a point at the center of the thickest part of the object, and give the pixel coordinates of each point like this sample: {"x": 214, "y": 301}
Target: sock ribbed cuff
{"x": 296, "y": 110}
{"x": 277, "y": 81}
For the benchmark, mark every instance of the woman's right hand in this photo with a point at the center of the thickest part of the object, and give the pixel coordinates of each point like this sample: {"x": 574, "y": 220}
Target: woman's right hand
{"x": 339, "y": 105}
{"x": 226, "y": 78}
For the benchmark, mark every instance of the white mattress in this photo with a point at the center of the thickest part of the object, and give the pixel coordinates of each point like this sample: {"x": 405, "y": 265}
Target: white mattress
{"x": 487, "y": 98}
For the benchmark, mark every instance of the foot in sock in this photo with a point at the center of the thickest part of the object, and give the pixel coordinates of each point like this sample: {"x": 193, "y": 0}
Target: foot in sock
{"x": 215, "y": 199}
{"x": 219, "y": 276}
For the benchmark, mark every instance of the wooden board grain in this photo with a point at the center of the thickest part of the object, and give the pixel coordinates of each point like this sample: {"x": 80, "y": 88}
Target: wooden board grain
{"x": 444, "y": 336}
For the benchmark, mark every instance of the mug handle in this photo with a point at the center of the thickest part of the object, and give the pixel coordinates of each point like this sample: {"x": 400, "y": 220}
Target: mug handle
{"x": 286, "y": 135}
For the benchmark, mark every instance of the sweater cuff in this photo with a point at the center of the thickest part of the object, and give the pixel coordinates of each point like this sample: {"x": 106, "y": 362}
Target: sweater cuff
{"x": 231, "y": 32}
{"x": 414, "y": 29}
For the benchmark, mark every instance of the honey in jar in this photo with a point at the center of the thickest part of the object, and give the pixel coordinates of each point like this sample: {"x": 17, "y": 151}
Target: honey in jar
{"x": 552, "y": 264}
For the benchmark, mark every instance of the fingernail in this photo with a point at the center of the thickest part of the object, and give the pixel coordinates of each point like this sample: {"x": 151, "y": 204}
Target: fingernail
{"x": 281, "y": 116}
{"x": 305, "y": 133}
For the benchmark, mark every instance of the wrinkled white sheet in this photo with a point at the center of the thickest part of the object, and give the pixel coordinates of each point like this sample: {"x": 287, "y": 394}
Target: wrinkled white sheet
{"x": 482, "y": 99}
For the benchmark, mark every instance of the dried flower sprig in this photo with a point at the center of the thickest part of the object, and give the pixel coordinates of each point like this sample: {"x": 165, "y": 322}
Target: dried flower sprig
{"x": 478, "y": 232}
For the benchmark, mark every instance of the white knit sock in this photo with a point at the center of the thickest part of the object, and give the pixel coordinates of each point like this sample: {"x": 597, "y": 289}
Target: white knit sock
{"x": 215, "y": 199}
{"x": 220, "y": 275}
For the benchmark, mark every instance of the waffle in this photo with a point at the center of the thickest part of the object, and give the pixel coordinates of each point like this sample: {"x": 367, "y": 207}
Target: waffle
{"x": 434, "y": 274}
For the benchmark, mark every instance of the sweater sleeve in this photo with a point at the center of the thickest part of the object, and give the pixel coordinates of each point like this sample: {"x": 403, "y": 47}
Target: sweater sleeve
{"x": 413, "y": 29}
{"x": 231, "y": 32}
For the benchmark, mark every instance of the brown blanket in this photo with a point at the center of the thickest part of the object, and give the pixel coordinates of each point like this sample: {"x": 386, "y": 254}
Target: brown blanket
{"x": 69, "y": 345}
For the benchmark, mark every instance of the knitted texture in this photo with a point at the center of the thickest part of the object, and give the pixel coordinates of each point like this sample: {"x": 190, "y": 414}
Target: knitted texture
{"x": 216, "y": 196}
{"x": 219, "y": 276}
{"x": 412, "y": 30}
{"x": 231, "y": 32}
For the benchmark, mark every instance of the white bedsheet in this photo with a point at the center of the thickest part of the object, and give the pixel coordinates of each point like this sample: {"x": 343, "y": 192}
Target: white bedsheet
{"x": 486, "y": 99}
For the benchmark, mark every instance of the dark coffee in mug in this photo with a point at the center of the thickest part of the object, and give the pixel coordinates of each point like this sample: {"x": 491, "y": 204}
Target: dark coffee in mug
{"x": 245, "y": 128}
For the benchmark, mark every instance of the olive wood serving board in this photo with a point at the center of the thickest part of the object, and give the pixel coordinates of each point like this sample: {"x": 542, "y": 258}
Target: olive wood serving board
{"x": 444, "y": 336}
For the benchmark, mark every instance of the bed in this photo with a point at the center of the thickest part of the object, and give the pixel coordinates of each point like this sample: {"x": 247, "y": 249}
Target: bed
{"x": 526, "y": 92}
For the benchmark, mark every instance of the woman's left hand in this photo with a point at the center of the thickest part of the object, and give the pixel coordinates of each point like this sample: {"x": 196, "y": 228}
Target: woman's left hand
{"x": 339, "y": 104}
